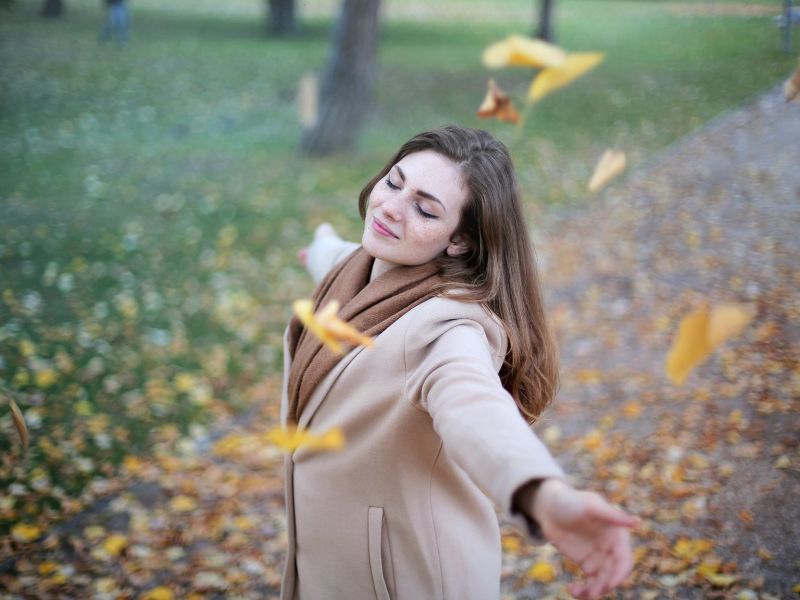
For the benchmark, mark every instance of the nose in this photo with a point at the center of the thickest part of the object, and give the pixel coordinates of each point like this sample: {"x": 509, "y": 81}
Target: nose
{"x": 392, "y": 208}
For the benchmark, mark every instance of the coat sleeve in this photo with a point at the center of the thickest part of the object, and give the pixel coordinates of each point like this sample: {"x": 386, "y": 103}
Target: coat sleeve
{"x": 452, "y": 373}
{"x": 325, "y": 252}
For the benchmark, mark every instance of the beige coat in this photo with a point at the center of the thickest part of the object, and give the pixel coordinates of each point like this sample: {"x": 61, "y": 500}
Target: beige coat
{"x": 405, "y": 511}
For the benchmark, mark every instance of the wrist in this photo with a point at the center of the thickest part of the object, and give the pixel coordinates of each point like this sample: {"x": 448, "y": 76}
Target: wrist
{"x": 542, "y": 499}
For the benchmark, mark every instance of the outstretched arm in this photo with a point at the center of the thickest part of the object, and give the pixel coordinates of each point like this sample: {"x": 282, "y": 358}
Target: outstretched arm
{"x": 585, "y": 528}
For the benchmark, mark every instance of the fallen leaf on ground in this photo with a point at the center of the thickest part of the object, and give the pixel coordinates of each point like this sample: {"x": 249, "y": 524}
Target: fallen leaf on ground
{"x": 542, "y": 572}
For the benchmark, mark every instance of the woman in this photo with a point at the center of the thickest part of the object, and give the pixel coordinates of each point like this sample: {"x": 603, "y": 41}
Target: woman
{"x": 436, "y": 413}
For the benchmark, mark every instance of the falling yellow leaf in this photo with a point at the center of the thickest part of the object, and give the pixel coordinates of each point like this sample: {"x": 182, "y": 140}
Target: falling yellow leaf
{"x": 520, "y": 51}
{"x": 328, "y": 327}
{"x": 292, "y": 438}
{"x": 183, "y": 503}
{"x": 796, "y": 588}
{"x": 791, "y": 89}
{"x": 700, "y": 333}
{"x": 115, "y": 544}
{"x": 553, "y": 78}
{"x": 22, "y": 532}
{"x": 498, "y": 104}
{"x": 158, "y": 593}
{"x": 542, "y": 572}
{"x": 611, "y": 164}
{"x": 765, "y": 554}
{"x": 19, "y": 422}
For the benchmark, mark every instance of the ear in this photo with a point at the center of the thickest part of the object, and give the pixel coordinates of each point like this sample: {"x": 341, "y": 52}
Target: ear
{"x": 459, "y": 244}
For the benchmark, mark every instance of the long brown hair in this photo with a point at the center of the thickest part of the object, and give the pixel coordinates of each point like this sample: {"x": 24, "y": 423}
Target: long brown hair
{"x": 499, "y": 271}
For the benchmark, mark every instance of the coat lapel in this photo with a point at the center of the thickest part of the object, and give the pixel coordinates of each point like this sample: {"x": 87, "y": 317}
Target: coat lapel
{"x": 324, "y": 387}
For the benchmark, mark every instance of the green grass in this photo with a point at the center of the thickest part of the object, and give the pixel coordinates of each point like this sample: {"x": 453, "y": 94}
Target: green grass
{"x": 152, "y": 198}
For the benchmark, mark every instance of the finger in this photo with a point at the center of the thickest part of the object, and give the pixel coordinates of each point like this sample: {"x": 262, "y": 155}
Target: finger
{"x": 577, "y": 589}
{"x": 624, "y": 562}
{"x": 603, "y": 511}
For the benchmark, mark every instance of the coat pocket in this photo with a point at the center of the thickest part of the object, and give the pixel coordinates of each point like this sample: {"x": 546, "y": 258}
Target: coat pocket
{"x": 380, "y": 555}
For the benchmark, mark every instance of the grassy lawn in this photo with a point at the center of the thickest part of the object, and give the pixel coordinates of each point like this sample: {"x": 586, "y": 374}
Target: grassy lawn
{"x": 152, "y": 199}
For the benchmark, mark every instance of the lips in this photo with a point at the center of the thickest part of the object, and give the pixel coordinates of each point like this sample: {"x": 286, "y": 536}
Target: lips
{"x": 382, "y": 229}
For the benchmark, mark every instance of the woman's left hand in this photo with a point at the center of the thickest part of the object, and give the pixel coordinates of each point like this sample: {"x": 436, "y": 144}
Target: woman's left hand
{"x": 589, "y": 531}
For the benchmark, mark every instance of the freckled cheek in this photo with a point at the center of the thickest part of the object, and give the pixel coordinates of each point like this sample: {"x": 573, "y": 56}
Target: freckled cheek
{"x": 428, "y": 236}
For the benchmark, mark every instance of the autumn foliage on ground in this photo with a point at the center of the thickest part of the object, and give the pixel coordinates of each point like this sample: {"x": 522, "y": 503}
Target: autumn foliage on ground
{"x": 148, "y": 270}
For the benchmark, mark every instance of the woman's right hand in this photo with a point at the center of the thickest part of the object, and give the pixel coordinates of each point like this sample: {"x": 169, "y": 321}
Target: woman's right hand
{"x": 322, "y": 230}
{"x": 589, "y": 531}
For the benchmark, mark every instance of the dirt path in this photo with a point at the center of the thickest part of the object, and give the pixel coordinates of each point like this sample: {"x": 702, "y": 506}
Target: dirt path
{"x": 715, "y": 216}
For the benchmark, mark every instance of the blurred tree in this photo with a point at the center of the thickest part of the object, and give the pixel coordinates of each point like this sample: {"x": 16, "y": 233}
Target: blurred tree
{"x": 52, "y": 8}
{"x": 281, "y": 18}
{"x": 346, "y": 93}
{"x": 545, "y": 25}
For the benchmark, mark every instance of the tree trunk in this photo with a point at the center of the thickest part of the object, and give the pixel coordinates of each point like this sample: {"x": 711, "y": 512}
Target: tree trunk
{"x": 545, "y": 31}
{"x": 281, "y": 19}
{"x": 52, "y": 8}
{"x": 346, "y": 93}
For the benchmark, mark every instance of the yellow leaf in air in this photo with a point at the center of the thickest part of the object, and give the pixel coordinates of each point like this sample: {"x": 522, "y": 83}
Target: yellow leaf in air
{"x": 158, "y": 593}
{"x": 542, "y": 572}
{"x": 498, "y": 104}
{"x": 791, "y": 89}
{"x": 307, "y": 100}
{"x": 611, "y": 164}
{"x": 520, "y": 51}
{"x": 19, "y": 422}
{"x": 22, "y": 532}
{"x": 328, "y": 327}
{"x": 115, "y": 544}
{"x": 700, "y": 333}
{"x": 292, "y": 438}
{"x": 553, "y": 78}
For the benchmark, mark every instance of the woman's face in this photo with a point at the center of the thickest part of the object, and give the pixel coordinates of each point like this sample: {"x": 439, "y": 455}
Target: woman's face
{"x": 414, "y": 210}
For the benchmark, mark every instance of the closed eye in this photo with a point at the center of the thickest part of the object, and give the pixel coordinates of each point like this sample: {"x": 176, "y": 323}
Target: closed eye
{"x": 421, "y": 212}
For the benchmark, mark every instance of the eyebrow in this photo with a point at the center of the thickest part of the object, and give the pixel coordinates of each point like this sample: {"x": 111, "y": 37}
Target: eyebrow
{"x": 420, "y": 192}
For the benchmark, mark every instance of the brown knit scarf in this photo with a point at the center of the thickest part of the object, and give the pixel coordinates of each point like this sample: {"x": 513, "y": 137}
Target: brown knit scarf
{"x": 369, "y": 306}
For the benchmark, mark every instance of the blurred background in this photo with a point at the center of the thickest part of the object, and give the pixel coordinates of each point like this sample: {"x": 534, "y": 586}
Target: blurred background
{"x": 160, "y": 171}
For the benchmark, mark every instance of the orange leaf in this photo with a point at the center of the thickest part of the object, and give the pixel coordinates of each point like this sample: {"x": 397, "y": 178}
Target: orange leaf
{"x": 700, "y": 333}
{"x": 498, "y": 104}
